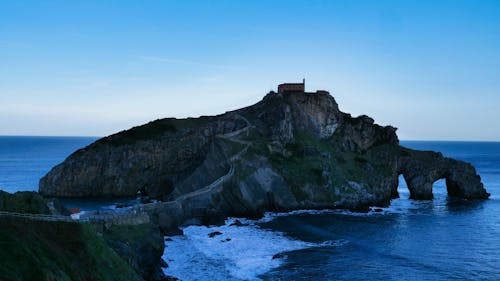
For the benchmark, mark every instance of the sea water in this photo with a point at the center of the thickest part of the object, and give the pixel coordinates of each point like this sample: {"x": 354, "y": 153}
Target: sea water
{"x": 440, "y": 239}
{"x": 24, "y": 160}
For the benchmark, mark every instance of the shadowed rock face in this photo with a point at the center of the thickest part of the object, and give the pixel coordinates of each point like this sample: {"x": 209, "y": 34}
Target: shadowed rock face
{"x": 424, "y": 168}
{"x": 289, "y": 151}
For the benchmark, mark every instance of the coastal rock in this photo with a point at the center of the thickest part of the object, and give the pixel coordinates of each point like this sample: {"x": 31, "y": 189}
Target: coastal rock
{"x": 289, "y": 151}
{"x": 461, "y": 178}
{"x": 141, "y": 246}
{"x": 237, "y": 223}
{"x": 278, "y": 256}
{"x": 213, "y": 234}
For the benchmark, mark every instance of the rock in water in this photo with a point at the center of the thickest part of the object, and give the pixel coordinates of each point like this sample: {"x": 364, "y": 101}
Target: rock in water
{"x": 213, "y": 234}
{"x": 289, "y": 151}
{"x": 278, "y": 256}
{"x": 237, "y": 223}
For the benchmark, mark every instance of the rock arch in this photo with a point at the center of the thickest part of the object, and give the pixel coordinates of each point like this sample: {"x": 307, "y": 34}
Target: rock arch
{"x": 422, "y": 169}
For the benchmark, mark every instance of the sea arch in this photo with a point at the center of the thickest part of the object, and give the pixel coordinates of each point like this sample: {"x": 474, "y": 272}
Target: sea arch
{"x": 421, "y": 170}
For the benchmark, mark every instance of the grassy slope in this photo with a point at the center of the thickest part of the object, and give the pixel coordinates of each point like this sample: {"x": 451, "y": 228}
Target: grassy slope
{"x": 302, "y": 168}
{"x": 35, "y": 250}
{"x": 135, "y": 235}
{"x": 155, "y": 129}
{"x": 23, "y": 202}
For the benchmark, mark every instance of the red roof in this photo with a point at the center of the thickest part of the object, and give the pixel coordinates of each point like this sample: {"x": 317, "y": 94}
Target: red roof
{"x": 74, "y": 210}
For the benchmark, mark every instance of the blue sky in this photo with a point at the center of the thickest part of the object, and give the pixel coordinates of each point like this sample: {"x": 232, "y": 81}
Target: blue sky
{"x": 430, "y": 68}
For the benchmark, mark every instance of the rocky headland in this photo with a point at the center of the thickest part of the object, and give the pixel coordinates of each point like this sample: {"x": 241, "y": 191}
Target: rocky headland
{"x": 292, "y": 150}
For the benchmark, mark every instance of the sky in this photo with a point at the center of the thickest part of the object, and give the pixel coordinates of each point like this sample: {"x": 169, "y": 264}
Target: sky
{"x": 92, "y": 68}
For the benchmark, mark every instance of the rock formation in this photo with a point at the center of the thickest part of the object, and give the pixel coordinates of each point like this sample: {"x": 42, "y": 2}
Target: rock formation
{"x": 288, "y": 151}
{"x": 141, "y": 246}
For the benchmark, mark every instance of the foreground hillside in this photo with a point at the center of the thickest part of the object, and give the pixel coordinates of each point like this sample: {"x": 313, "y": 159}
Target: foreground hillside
{"x": 289, "y": 151}
{"x": 40, "y": 250}
{"x": 38, "y": 246}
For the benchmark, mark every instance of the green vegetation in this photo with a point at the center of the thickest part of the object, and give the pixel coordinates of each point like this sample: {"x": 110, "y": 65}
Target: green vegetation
{"x": 38, "y": 250}
{"x": 193, "y": 123}
{"x": 140, "y": 245}
{"x": 298, "y": 172}
{"x": 353, "y": 166}
{"x": 231, "y": 147}
{"x": 305, "y": 165}
{"x": 155, "y": 129}
{"x": 135, "y": 236}
{"x": 23, "y": 202}
{"x": 145, "y": 132}
{"x": 322, "y": 163}
{"x": 243, "y": 171}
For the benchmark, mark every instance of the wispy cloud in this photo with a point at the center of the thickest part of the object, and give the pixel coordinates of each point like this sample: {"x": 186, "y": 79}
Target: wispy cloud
{"x": 184, "y": 62}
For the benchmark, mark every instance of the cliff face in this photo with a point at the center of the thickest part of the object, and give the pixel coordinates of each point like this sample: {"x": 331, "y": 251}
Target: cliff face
{"x": 289, "y": 151}
{"x": 141, "y": 246}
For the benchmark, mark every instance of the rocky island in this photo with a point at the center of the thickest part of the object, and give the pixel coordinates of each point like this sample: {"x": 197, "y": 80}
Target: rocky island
{"x": 292, "y": 150}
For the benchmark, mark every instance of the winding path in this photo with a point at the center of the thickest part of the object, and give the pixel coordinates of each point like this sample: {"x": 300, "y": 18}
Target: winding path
{"x": 232, "y": 136}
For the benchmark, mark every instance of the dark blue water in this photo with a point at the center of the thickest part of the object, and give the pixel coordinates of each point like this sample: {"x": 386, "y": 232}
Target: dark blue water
{"x": 441, "y": 239}
{"x": 24, "y": 160}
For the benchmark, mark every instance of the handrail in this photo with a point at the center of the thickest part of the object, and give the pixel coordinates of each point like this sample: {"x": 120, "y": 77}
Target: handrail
{"x": 89, "y": 217}
{"x": 41, "y": 217}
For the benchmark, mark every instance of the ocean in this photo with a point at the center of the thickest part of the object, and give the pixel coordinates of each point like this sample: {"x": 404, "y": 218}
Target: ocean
{"x": 24, "y": 160}
{"x": 440, "y": 239}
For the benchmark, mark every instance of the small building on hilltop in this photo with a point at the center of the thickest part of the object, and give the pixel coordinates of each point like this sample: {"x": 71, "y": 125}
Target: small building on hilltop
{"x": 298, "y": 88}
{"x": 292, "y": 87}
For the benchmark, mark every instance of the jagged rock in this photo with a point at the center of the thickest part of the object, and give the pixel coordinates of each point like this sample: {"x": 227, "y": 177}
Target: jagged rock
{"x": 422, "y": 169}
{"x": 168, "y": 230}
{"x": 237, "y": 223}
{"x": 278, "y": 256}
{"x": 213, "y": 234}
{"x": 289, "y": 151}
{"x": 141, "y": 246}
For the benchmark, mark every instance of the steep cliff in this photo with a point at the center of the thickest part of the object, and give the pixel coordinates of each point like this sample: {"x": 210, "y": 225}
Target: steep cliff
{"x": 288, "y": 151}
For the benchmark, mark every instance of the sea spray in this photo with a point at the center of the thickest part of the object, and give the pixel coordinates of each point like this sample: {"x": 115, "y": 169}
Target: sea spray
{"x": 241, "y": 252}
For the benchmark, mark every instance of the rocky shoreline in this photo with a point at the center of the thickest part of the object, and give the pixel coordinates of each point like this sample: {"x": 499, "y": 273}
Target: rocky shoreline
{"x": 289, "y": 151}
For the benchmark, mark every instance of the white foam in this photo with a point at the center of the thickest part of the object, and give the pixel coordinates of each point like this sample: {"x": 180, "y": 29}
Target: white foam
{"x": 394, "y": 208}
{"x": 248, "y": 254}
